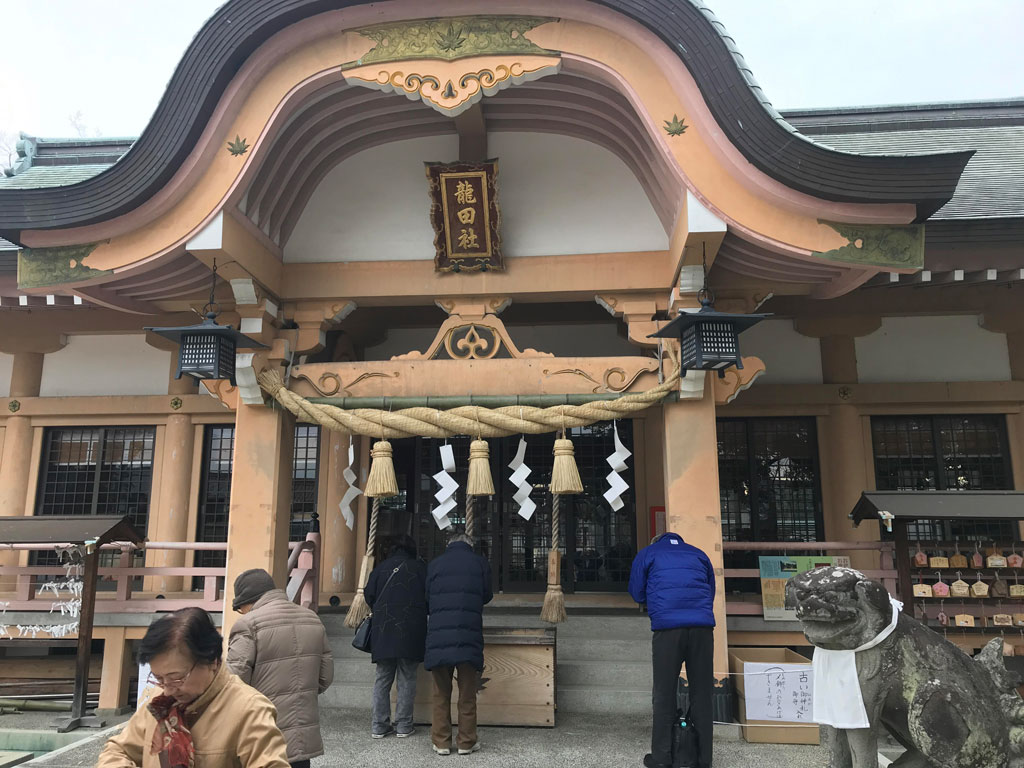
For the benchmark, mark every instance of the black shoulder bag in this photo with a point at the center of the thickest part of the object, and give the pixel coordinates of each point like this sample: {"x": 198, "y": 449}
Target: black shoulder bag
{"x": 361, "y": 639}
{"x": 685, "y": 752}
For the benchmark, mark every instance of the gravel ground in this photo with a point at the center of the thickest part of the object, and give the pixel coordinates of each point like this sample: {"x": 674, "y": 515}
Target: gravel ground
{"x": 577, "y": 742}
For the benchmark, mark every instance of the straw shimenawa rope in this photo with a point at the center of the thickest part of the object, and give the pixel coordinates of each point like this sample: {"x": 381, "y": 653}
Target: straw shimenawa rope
{"x": 465, "y": 420}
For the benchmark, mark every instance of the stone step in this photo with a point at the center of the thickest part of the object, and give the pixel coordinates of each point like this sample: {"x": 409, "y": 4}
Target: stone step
{"x": 597, "y": 699}
{"x": 624, "y": 674}
{"x": 611, "y": 627}
{"x": 348, "y": 696}
{"x": 599, "y": 648}
{"x": 355, "y": 671}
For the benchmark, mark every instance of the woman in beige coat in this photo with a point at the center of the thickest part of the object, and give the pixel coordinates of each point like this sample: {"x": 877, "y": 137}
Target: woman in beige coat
{"x": 205, "y": 717}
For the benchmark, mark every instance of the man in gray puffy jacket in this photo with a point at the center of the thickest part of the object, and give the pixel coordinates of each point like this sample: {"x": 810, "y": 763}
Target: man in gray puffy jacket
{"x": 281, "y": 650}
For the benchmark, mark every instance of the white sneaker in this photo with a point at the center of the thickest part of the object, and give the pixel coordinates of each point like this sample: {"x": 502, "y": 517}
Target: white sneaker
{"x": 441, "y": 750}
{"x": 471, "y": 750}
{"x": 405, "y": 734}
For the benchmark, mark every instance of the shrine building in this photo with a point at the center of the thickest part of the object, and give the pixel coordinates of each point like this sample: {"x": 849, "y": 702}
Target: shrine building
{"x": 489, "y": 210}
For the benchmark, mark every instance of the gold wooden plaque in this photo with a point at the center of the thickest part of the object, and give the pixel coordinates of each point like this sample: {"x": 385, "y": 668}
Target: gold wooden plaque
{"x": 465, "y": 216}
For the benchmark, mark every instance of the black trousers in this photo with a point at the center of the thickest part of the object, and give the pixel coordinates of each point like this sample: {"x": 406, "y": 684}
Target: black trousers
{"x": 300, "y": 764}
{"x": 670, "y": 649}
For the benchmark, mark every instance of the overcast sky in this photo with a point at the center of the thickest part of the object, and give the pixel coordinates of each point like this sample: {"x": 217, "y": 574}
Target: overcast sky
{"x": 108, "y": 61}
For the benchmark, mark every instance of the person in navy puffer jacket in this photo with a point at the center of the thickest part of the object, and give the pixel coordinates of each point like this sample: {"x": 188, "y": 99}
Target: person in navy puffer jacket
{"x": 458, "y": 588}
{"x": 676, "y": 582}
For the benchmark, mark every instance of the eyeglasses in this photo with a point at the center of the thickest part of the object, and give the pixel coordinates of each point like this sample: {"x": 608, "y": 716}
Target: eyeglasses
{"x": 169, "y": 683}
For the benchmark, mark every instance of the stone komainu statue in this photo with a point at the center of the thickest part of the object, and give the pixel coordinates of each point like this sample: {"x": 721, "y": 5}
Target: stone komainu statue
{"x": 948, "y": 710}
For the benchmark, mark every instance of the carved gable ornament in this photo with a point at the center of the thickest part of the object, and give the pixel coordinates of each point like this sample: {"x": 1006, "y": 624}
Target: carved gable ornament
{"x": 451, "y": 64}
{"x": 464, "y": 214}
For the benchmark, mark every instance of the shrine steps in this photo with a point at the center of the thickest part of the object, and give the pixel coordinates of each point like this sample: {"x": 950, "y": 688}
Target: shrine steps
{"x": 603, "y": 663}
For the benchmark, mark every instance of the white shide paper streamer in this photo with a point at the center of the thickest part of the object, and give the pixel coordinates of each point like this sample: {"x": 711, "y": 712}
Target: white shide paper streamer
{"x": 351, "y": 492}
{"x": 518, "y": 478}
{"x": 445, "y": 495}
{"x": 617, "y": 461}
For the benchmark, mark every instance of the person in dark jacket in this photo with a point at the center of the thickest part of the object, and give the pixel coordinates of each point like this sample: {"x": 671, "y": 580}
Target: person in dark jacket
{"x": 458, "y": 588}
{"x": 677, "y": 584}
{"x": 396, "y": 593}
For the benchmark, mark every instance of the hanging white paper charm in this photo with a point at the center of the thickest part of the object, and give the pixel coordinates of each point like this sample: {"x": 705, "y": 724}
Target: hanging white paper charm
{"x": 351, "y": 492}
{"x": 518, "y": 478}
{"x": 617, "y": 461}
{"x": 445, "y": 495}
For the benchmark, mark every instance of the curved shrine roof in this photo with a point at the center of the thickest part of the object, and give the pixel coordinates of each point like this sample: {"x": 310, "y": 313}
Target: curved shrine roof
{"x": 688, "y": 27}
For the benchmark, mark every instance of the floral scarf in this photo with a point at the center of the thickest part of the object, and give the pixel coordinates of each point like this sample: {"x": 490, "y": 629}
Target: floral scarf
{"x": 172, "y": 738}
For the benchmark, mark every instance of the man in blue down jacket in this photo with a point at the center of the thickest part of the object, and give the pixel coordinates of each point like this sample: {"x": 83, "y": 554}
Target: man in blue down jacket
{"x": 458, "y": 588}
{"x": 677, "y": 583}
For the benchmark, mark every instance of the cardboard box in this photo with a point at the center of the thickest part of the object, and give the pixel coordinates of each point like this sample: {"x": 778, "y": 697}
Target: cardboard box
{"x": 768, "y": 731}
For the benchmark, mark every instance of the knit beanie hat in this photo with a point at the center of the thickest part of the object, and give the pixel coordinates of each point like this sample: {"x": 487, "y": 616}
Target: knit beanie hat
{"x": 250, "y": 587}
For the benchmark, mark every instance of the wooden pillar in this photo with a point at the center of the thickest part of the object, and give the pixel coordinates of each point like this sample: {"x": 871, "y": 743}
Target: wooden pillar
{"x": 846, "y": 473}
{"x": 339, "y": 566}
{"x": 844, "y": 454}
{"x": 693, "y": 509}
{"x": 117, "y": 671}
{"x": 16, "y": 454}
{"x": 169, "y": 521}
{"x": 261, "y": 486}
{"x": 16, "y": 464}
{"x": 1015, "y": 421}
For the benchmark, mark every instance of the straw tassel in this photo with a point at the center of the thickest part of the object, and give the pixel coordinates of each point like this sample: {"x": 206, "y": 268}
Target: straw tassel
{"x": 565, "y": 477}
{"x": 359, "y": 610}
{"x": 479, "y": 483}
{"x": 382, "y": 482}
{"x": 553, "y": 610}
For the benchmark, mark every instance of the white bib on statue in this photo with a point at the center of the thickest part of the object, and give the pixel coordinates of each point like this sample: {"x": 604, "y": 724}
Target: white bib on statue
{"x": 838, "y": 700}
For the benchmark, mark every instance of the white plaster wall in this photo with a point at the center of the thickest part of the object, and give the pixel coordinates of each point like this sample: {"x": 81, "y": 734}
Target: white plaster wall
{"x": 789, "y": 357}
{"x": 557, "y": 194}
{"x": 106, "y": 365}
{"x": 374, "y": 206}
{"x": 932, "y": 348}
{"x": 6, "y": 366}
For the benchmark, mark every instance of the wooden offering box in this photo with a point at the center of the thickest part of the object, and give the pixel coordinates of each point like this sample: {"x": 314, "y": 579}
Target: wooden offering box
{"x": 517, "y": 684}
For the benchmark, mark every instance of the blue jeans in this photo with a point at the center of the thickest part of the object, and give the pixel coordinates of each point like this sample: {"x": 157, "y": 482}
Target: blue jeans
{"x": 387, "y": 670}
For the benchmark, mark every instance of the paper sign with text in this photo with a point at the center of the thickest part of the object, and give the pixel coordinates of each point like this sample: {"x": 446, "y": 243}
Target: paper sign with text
{"x": 782, "y": 692}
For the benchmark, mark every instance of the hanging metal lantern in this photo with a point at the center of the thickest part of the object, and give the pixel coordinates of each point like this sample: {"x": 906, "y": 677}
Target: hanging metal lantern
{"x": 207, "y": 350}
{"x": 708, "y": 339}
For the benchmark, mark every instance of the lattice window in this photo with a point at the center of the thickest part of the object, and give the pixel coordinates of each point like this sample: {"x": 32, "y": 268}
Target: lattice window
{"x": 769, "y": 482}
{"x": 215, "y": 491}
{"x": 734, "y": 480}
{"x": 305, "y": 475}
{"x": 603, "y": 541}
{"x": 96, "y": 471}
{"x": 927, "y": 453}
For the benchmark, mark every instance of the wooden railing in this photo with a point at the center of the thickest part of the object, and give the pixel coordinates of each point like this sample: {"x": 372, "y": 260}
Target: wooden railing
{"x": 750, "y": 604}
{"x": 302, "y": 587}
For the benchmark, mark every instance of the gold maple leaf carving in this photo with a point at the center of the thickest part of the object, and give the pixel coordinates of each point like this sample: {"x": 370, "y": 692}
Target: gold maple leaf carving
{"x": 238, "y": 146}
{"x": 451, "y": 40}
{"x": 675, "y": 126}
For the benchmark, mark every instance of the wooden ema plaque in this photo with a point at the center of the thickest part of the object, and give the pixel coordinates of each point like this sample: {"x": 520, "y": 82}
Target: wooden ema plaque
{"x": 964, "y": 620}
{"x": 958, "y": 561}
{"x": 464, "y": 214}
{"x": 939, "y": 562}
